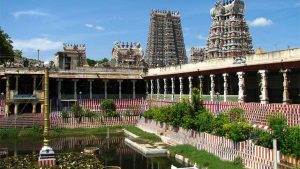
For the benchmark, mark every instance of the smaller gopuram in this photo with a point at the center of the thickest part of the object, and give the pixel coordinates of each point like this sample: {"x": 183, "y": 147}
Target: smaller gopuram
{"x": 229, "y": 34}
{"x": 127, "y": 54}
{"x": 72, "y": 56}
{"x": 197, "y": 55}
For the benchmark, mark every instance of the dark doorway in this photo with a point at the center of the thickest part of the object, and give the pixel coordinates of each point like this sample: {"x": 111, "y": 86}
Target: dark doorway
{"x": 25, "y": 108}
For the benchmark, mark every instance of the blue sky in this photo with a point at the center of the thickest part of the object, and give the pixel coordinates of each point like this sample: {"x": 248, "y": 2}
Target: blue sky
{"x": 46, "y": 24}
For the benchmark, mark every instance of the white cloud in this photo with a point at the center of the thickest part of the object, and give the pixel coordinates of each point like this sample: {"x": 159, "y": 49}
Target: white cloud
{"x": 97, "y": 27}
{"x": 18, "y": 14}
{"x": 260, "y": 22}
{"x": 43, "y": 44}
{"x": 201, "y": 37}
{"x": 89, "y": 25}
{"x": 297, "y": 4}
{"x": 100, "y": 28}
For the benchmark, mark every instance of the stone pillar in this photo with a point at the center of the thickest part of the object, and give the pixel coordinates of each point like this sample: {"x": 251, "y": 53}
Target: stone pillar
{"x": 190, "y": 87}
{"x": 75, "y": 88}
{"x": 133, "y": 88}
{"x": 59, "y": 88}
{"x": 264, "y": 98}
{"x": 173, "y": 89}
{"x": 286, "y": 82}
{"x": 241, "y": 96}
{"x": 147, "y": 88}
{"x": 42, "y": 109}
{"x": 7, "y": 95}
{"x": 212, "y": 87}
{"x": 120, "y": 88}
{"x": 105, "y": 88}
{"x": 225, "y": 75}
{"x": 201, "y": 85}
{"x": 17, "y": 85}
{"x": 180, "y": 88}
{"x": 33, "y": 108}
{"x": 158, "y": 88}
{"x": 6, "y": 109}
{"x": 16, "y": 108}
{"x": 91, "y": 88}
{"x": 165, "y": 88}
{"x": 34, "y": 84}
{"x": 151, "y": 86}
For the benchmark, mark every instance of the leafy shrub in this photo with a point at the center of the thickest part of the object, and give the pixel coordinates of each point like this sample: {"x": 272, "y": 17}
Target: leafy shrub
{"x": 262, "y": 138}
{"x": 148, "y": 114}
{"x": 8, "y": 133}
{"x": 108, "y": 105}
{"x": 238, "y": 161}
{"x": 236, "y": 114}
{"x": 238, "y": 131}
{"x": 110, "y": 114}
{"x": 278, "y": 124}
{"x": 77, "y": 111}
{"x": 88, "y": 113}
{"x": 188, "y": 122}
{"x": 204, "y": 122}
{"x": 218, "y": 124}
{"x": 291, "y": 141}
{"x": 178, "y": 111}
{"x": 65, "y": 114}
{"x": 37, "y": 129}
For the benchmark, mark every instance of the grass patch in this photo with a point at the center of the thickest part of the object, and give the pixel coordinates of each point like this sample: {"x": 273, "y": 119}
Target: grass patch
{"x": 203, "y": 158}
{"x": 9, "y": 133}
{"x": 142, "y": 134}
{"x": 37, "y": 132}
{"x": 56, "y": 132}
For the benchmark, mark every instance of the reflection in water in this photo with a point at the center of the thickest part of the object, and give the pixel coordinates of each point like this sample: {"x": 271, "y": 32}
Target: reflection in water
{"x": 113, "y": 150}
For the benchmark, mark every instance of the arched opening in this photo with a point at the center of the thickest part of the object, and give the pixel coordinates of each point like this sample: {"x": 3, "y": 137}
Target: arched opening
{"x": 38, "y": 108}
{"x": 11, "y": 109}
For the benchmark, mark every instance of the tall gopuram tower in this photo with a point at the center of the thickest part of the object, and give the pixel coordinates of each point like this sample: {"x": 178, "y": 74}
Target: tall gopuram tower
{"x": 229, "y": 33}
{"x": 165, "y": 40}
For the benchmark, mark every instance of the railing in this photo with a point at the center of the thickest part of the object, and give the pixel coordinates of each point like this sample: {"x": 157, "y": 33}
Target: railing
{"x": 230, "y": 98}
{"x": 253, "y": 156}
{"x": 100, "y": 96}
{"x": 86, "y": 122}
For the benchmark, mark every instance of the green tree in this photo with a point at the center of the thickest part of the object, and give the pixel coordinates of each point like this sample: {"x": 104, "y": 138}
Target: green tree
{"x": 6, "y": 48}
{"x": 18, "y": 53}
{"x": 197, "y": 102}
{"x": 108, "y": 105}
{"x": 91, "y": 62}
{"x": 77, "y": 111}
{"x": 104, "y": 60}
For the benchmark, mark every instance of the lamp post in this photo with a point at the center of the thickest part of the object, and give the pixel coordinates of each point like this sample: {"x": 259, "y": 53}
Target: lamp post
{"x": 218, "y": 102}
{"x": 46, "y": 156}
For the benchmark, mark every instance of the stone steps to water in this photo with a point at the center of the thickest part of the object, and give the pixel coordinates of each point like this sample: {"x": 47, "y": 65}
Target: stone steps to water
{"x": 24, "y": 120}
